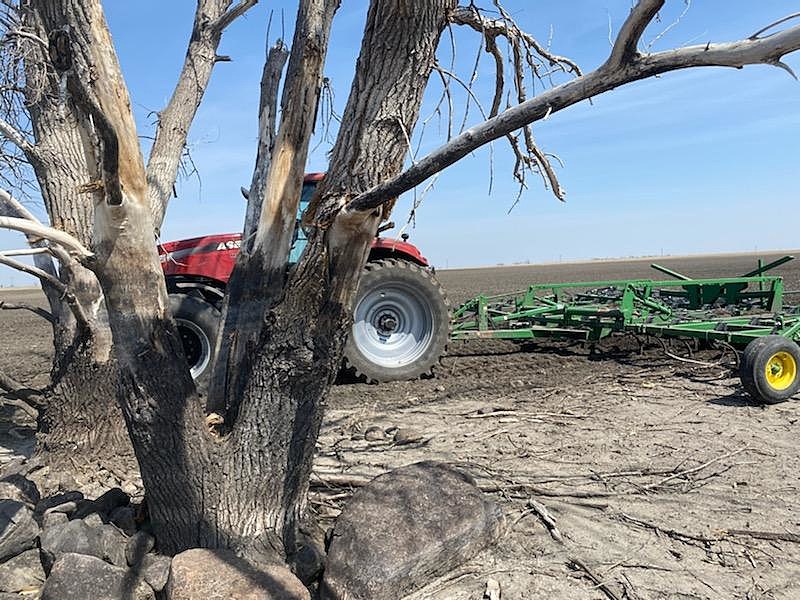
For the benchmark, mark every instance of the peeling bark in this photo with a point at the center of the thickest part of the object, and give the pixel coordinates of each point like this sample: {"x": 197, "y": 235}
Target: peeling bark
{"x": 258, "y": 277}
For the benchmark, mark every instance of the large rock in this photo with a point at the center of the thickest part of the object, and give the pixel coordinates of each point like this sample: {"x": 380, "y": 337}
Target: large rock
{"x": 155, "y": 570}
{"x": 138, "y": 546}
{"x": 218, "y": 574}
{"x": 406, "y": 528}
{"x": 18, "y": 528}
{"x": 105, "y": 543}
{"x": 22, "y": 572}
{"x": 78, "y": 576}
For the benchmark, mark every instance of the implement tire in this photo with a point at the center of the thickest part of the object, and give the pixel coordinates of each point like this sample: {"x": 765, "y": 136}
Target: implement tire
{"x": 401, "y": 323}
{"x": 770, "y": 369}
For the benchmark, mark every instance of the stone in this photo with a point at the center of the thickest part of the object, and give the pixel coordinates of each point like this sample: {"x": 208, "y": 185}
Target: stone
{"x": 19, "y": 488}
{"x": 132, "y": 488}
{"x": 22, "y": 572}
{"x": 18, "y": 529}
{"x": 51, "y": 519}
{"x": 105, "y": 543}
{"x": 66, "y": 508}
{"x": 407, "y": 436}
{"x": 93, "y": 520}
{"x": 309, "y": 559}
{"x": 138, "y": 546}
{"x": 404, "y": 529}
{"x": 112, "y": 545}
{"x": 155, "y": 570}
{"x": 81, "y": 576}
{"x": 201, "y": 573}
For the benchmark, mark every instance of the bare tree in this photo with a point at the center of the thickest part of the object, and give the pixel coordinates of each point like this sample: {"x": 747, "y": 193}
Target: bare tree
{"x": 246, "y": 490}
{"x": 78, "y": 417}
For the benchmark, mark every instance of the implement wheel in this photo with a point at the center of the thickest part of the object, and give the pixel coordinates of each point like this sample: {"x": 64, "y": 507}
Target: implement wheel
{"x": 770, "y": 369}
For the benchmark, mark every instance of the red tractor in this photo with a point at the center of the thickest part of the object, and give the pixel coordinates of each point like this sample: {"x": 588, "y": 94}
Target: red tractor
{"x": 401, "y": 317}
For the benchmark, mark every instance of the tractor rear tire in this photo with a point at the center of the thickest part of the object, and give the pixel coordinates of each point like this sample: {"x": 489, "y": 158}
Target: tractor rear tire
{"x": 401, "y": 323}
{"x": 197, "y": 322}
{"x": 770, "y": 369}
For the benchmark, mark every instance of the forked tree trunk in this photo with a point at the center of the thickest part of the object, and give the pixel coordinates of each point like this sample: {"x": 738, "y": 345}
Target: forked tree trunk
{"x": 247, "y": 490}
{"x": 81, "y": 427}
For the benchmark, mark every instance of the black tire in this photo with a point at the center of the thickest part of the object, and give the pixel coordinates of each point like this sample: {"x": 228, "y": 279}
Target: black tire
{"x": 401, "y": 323}
{"x": 197, "y": 322}
{"x": 769, "y": 369}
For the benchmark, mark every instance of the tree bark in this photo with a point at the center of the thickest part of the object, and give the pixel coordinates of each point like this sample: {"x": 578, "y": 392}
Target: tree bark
{"x": 81, "y": 415}
{"x": 259, "y": 274}
{"x": 81, "y": 426}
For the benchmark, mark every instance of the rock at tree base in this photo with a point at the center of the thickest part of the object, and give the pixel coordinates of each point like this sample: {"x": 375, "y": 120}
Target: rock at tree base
{"x": 404, "y": 529}
{"x": 104, "y": 505}
{"x": 155, "y": 570}
{"x": 138, "y": 546}
{"x": 219, "y": 575}
{"x": 18, "y": 529}
{"x": 105, "y": 542}
{"x": 77, "y": 576}
{"x": 22, "y": 572}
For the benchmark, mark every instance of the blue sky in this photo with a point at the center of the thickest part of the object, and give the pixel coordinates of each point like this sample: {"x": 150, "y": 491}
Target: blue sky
{"x": 692, "y": 162}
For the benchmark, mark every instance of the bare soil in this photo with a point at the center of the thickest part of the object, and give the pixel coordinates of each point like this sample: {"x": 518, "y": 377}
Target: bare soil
{"x": 664, "y": 479}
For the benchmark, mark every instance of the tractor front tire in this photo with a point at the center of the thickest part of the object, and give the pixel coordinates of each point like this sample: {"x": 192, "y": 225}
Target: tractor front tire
{"x": 769, "y": 369}
{"x": 401, "y": 323}
{"x": 197, "y": 322}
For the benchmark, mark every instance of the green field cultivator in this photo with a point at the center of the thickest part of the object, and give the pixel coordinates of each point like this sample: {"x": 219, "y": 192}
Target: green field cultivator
{"x": 746, "y": 312}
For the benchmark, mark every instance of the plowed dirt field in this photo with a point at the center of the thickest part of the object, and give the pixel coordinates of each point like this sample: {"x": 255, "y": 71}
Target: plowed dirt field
{"x": 664, "y": 479}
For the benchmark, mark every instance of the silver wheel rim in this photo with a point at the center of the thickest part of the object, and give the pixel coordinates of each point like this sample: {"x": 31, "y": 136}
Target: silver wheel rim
{"x": 194, "y": 338}
{"x": 393, "y": 325}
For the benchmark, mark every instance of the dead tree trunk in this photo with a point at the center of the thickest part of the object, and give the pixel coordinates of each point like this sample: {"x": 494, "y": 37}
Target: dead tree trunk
{"x": 247, "y": 490}
{"x": 81, "y": 428}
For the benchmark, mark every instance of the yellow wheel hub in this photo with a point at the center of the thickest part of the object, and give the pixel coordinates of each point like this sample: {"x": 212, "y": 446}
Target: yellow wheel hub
{"x": 781, "y": 370}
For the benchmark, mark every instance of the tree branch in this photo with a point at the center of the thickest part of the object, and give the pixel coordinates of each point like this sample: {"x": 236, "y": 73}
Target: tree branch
{"x": 11, "y": 207}
{"x": 768, "y": 50}
{"x": 38, "y": 230}
{"x": 267, "y": 116}
{"x": 232, "y": 14}
{"x": 494, "y": 28}
{"x": 46, "y": 278}
{"x": 22, "y": 392}
{"x": 55, "y": 283}
{"x": 16, "y": 137}
{"x": 175, "y": 120}
{"x": 625, "y": 47}
{"x": 46, "y": 315}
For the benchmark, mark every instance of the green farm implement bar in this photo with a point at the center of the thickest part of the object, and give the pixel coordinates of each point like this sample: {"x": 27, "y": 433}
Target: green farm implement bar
{"x": 746, "y": 311}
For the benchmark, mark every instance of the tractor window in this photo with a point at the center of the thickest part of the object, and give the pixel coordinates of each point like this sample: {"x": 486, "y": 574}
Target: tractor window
{"x": 299, "y": 240}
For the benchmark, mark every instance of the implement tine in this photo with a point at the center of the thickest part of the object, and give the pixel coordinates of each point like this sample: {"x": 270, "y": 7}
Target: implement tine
{"x": 670, "y": 272}
{"x": 764, "y": 268}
